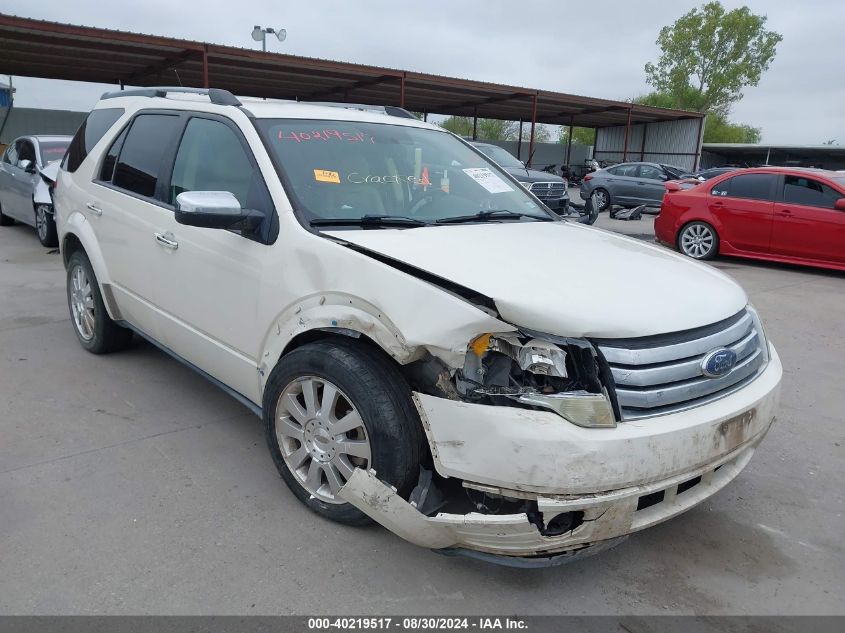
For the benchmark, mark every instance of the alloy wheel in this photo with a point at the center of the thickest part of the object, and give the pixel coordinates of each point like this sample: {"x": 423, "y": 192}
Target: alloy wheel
{"x": 601, "y": 199}
{"x": 41, "y": 221}
{"x": 697, "y": 241}
{"x": 321, "y": 436}
{"x": 82, "y": 303}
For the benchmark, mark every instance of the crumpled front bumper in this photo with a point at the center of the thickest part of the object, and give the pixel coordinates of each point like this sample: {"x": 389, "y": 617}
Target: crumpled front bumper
{"x": 623, "y": 480}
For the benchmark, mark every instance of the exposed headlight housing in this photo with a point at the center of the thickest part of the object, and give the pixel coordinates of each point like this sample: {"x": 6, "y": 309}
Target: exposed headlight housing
{"x": 522, "y": 369}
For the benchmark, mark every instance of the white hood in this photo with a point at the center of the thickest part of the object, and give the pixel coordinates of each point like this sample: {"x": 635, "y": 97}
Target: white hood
{"x": 564, "y": 278}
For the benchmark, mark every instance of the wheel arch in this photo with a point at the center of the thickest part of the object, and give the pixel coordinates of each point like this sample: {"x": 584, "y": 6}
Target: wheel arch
{"x": 78, "y": 236}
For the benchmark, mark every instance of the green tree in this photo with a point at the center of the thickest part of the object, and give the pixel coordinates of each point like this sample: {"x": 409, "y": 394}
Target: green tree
{"x": 709, "y": 55}
{"x": 580, "y": 135}
{"x": 493, "y": 129}
{"x": 717, "y": 129}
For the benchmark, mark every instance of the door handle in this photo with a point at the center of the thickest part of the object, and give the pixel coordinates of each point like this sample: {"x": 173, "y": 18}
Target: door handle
{"x": 93, "y": 208}
{"x": 166, "y": 240}
{"x": 785, "y": 213}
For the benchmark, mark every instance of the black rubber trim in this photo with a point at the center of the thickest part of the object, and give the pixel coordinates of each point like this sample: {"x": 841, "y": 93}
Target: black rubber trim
{"x": 534, "y": 562}
{"x": 671, "y": 338}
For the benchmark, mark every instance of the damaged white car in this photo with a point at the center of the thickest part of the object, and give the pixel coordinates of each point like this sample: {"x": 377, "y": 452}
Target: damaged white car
{"x": 406, "y": 319}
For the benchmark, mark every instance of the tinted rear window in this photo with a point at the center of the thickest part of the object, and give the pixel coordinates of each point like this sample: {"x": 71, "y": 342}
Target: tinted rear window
{"x": 88, "y": 134}
{"x": 140, "y": 161}
{"x": 750, "y": 186}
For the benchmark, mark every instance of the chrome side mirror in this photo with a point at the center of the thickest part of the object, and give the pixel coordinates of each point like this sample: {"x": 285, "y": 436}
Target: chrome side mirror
{"x": 209, "y": 209}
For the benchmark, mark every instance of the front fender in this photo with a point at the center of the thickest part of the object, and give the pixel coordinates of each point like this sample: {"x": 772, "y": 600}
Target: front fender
{"x": 332, "y": 311}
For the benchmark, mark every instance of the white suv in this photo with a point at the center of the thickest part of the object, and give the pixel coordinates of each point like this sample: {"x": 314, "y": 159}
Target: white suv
{"x": 419, "y": 333}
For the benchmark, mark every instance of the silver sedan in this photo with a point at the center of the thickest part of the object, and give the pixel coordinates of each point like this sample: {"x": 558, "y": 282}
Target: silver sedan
{"x": 20, "y": 170}
{"x": 629, "y": 184}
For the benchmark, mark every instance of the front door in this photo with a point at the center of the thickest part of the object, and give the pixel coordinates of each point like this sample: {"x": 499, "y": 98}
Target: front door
{"x": 806, "y": 223}
{"x": 650, "y": 185}
{"x": 743, "y": 206}
{"x": 209, "y": 281}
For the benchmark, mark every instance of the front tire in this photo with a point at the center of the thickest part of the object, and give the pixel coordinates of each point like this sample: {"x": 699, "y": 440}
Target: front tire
{"x": 45, "y": 226}
{"x": 698, "y": 240}
{"x": 335, "y": 405}
{"x": 92, "y": 324}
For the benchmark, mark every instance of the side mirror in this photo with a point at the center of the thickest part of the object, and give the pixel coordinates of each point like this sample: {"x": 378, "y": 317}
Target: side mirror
{"x": 211, "y": 209}
{"x": 839, "y": 205}
{"x": 27, "y": 165}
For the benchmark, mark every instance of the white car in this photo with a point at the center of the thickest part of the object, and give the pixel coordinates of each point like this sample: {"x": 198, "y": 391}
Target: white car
{"x": 24, "y": 192}
{"x": 397, "y": 309}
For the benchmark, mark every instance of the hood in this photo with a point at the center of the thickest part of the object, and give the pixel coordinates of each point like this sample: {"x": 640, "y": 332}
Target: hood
{"x": 532, "y": 175}
{"x": 564, "y": 278}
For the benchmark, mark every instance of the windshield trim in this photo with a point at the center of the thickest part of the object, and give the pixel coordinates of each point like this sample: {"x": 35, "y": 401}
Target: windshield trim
{"x": 299, "y": 210}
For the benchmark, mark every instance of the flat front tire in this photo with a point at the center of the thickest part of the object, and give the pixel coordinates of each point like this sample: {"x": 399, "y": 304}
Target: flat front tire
{"x": 335, "y": 405}
{"x": 93, "y": 326}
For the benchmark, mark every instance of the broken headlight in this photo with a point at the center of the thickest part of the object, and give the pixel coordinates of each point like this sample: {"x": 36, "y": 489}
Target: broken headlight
{"x": 521, "y": 369}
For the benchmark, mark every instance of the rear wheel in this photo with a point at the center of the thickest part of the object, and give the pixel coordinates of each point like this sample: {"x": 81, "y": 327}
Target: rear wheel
{"x": 698, "y": 240}
{"x": 45, "y": 225}
{"x": 5, "y": 220}
{"x": 333, "y": 406}
{"x": 94, "y": 328}
{"x": 602, "y": 197}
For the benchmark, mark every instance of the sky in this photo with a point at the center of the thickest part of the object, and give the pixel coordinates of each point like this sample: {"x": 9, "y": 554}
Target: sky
{"x": 596, "y": 49}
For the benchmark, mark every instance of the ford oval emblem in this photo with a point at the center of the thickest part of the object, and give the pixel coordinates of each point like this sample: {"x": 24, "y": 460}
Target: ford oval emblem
{"x": 718, "y": 362}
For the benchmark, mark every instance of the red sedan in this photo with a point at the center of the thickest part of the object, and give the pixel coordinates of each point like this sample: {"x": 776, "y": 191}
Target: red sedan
{"x": 780, "y": 214}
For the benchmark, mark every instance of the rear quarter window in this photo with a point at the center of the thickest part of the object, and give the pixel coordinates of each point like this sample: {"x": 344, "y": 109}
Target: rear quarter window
{"x": 88, "y": 135}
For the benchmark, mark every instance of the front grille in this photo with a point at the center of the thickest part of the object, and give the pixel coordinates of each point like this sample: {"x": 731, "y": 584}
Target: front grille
{"x": 548, "y": 190}
{"x": 662, "y": 374}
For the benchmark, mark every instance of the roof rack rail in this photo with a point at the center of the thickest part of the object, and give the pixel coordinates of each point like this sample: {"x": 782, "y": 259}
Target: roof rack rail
{"x": 388, "y": 109}
{"x": 217, "y": 96}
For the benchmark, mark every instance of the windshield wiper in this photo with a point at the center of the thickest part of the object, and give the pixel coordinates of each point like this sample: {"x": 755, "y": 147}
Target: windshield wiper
{"x": 369, "y": 220}
{"x": 492, "y": 215}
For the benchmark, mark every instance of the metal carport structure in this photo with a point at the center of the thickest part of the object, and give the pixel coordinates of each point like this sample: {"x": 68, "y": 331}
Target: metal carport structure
{"x": 52, "y": 50}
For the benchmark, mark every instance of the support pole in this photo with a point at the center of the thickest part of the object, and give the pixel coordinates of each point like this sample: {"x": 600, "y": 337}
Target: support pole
{"x": 642, "y": 145}
{"x": 205, "y": 83}
{"x": 519, "y": 142}
{"x": 474, "y": 122}
{"x": 697, "y": 163}
{"x": 533, "y": 123}
{"x": 569, "y": 145}
{"x": 425, "y": 115}
{"x": 402, "y": 91}
{"x": 627, "y": 131}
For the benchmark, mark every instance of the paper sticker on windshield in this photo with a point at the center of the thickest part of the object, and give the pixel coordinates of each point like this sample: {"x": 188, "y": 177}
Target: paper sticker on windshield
{"x": 487, "y": 179}
{"x": 323, "y": 175}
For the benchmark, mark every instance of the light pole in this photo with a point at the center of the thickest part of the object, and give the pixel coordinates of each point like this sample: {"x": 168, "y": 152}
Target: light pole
{"x": 260, "y": 35}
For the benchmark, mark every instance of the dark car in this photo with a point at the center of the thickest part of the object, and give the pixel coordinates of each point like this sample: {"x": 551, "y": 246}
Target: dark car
{"x": 549, "y": 188}
{"x": 707, "y": 174}
{"x": 629, "y": 184}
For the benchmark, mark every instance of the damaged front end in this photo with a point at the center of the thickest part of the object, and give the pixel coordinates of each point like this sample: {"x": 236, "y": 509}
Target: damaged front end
{"x": 527, "y": 369}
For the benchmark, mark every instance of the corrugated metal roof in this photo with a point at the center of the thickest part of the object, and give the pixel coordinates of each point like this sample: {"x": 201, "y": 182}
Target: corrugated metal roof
{"x": 52, "y": 50}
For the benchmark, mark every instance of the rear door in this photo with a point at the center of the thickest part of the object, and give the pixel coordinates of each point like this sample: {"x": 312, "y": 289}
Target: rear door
{"x": 806, "y": 224}
{"x": 622, "y": 183}
{"x": 650, "y": 184}
{"x": 743, "y": 207}
{"x": 125, "y": 211}
{"x": 7, "y": 198}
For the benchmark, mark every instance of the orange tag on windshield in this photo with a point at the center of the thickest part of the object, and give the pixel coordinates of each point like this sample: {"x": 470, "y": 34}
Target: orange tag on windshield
{"x": 424, "y": 180}
{"x": 322, "y": 175}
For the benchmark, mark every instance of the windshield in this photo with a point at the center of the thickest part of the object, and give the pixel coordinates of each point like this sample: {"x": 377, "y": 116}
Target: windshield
{"x": 52, "y": 150}
{"x": 349, "y": 170}
{"x": 502, "y": 156}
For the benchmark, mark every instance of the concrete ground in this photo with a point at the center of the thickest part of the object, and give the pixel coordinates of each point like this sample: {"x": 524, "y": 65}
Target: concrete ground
{"x": 128, "y": 484}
